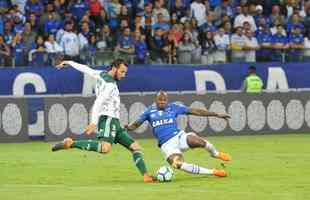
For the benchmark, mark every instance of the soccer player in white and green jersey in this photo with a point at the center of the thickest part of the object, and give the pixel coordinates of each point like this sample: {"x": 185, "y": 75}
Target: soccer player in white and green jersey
{"x": 105, "y": 116}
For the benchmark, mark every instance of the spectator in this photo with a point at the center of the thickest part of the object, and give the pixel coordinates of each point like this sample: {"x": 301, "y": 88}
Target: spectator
{"x": 161, "y": 23}
{"x": 50, "y": 10}
{"x": 264, "y": 38}
{"x": 114, "y": 9}
{"x": 274, "y": 28}
{"x": 222, "y": 43}
{"x": 276, "y": 15}
{"x": 185, "y": 49}
{"x": 95, "y": 10}
{"x": 227, "y": 28}
{"x": 90, "y": 51}
{"x": 224, "y": 9}
{"x": 209, "y": 23}
{"x": 106, "y": 40}
{"x": 60, "y": 6}
{"x": 5, "y": 5}
{"x": 29, "y": 36}
{"x": 104, "y": 19}
{"x": 141, "y": 52}
{"x": 33, "y": 20}
{"x": 125, "y": 46}
{"x": 196, "y": 54}
{"x": 4, "y": 53}
{"x": 250, "y": 47}
{"x": 160, "y": 10}
{"x": 124, "y": 14}
{"x": 20, "y": 5}
{"x": 51, "y": 46}
{"x": 260, "y": 16}
{"x": 208, "y": 48}
{"x": 253, "y": 83}
{"x": 237, "y": 46}
{"x": 158, "y": 46}
{"x": 8, "y": 32}
{"x": 78, "y": 8}
{"x": 18, "y": 22}
{"x": 179, "y": 8}
{"x": 85, "y": 31}
{"x": 35, "y": 7}
{"x": 138, "y": 25}
{"x": 148, "y": 20}
{"x": 18, "y": 50}
{"x": 69, "y": 41}
{"x": 198, "y": 12}
{"x": 296, "y": 44}
{"x": 279, "y": 44}
{"x": 52, "y": 25}
{"x": 37, "y": 56}
{"x": 295, "y": 23}
{"x": 245, "y": 17}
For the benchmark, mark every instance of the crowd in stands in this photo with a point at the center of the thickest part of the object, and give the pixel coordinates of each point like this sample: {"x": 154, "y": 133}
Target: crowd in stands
{"x": 42, "y": 32}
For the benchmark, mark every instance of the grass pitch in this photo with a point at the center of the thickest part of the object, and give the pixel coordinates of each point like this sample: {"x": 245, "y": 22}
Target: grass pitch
{"x": 273, "y": 167}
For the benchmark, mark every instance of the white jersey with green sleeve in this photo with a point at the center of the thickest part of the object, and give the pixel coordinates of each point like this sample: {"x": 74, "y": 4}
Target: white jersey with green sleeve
{"x": 107, "y": 94}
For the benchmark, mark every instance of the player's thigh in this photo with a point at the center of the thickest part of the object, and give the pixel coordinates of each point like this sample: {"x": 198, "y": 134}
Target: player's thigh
{"x": 124, "y": 139}
{"x": 189, "y": 140}
{"x": 170, "y": 147}
{"x": 107, "y": 129}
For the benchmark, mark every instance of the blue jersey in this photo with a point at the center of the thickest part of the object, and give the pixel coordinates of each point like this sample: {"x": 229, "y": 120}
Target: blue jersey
{"x": 163, "y": 122}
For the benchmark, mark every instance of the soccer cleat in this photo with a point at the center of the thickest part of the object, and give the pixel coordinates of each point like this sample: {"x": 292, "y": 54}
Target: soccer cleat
{"x": 223, "y": 156}
{"x": 65, "y": 144}
{"x": 149, "y": 179}
{"x": 219, "y": 173}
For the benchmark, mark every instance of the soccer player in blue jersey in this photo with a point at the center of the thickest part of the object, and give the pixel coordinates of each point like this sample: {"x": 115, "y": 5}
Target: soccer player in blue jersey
{"x": 173, "y": 141}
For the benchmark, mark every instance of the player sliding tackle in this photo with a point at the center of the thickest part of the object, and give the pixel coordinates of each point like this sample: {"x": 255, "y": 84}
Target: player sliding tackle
{"x": 173, "y": 141}
{"x": 105, "y": 116}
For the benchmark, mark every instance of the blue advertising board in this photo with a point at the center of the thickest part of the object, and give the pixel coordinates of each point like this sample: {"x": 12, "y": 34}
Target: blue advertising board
{"x": 48, "y": 80}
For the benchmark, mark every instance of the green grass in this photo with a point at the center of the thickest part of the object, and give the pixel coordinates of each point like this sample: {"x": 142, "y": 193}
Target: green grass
{"x": 263, "y": 167}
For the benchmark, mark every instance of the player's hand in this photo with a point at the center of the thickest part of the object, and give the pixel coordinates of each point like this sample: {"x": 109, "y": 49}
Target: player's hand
{"x": 90, "y": 129}
{"x": 63, "y": 64}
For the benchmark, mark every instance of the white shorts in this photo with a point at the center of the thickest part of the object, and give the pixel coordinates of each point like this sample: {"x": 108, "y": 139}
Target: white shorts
{"x": 175, "y": 145}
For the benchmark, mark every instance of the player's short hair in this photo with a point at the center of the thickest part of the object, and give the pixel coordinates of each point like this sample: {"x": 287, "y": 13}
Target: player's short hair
{"x": 161, "y": 92}
{"x": 116, "y": 63}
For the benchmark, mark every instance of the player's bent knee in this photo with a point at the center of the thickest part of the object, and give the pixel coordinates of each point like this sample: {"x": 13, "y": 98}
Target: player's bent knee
{"x": 106, "y": 147}
{"x": 176, "y": 162}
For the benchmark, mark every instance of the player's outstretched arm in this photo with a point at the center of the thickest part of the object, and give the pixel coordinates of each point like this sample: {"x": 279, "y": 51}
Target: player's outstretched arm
{"x": 206, "y": 113}
{"x": 82, "y": 68}
{"x": 133, "y": 126}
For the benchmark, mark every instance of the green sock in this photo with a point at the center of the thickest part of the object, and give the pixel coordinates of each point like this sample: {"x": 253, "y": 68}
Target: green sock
{"x": 138, "y": 159}
{"x": 87, "y": 145}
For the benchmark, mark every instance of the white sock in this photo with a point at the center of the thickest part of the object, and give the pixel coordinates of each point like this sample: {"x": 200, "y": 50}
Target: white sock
{"x": 195, "y": 169}
{"x": 212, "y": 149}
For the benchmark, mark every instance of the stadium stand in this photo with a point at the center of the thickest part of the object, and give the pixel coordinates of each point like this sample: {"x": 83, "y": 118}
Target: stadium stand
{"x": 40, "y": 33}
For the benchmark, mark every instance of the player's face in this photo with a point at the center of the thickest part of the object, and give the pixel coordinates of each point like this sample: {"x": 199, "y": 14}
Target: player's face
{"x": 161, "y": 101}
{"x": 121, "y": 72}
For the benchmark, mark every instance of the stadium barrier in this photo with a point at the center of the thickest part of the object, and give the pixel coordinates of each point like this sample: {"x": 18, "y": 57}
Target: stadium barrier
{"x": 265, "y": 113}
{"x": 150, "y": 78}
